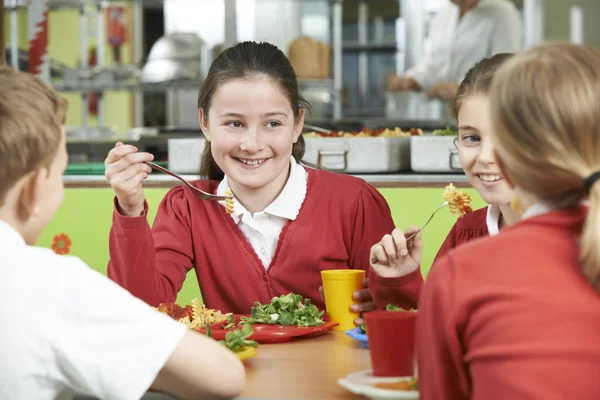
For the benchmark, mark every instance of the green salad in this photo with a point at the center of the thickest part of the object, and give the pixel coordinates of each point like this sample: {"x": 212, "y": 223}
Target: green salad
{"x": 286, "y": 310}
{"x": 389, "y": 307}
{"x": 230, "y": 322}
{"x": 444, "y": 132}
{"x": 237, "y": 339}
{"x": 393, "y": 307}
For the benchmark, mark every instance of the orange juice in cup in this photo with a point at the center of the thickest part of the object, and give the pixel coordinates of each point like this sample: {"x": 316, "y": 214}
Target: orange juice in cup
{"x": 338, "y": 286}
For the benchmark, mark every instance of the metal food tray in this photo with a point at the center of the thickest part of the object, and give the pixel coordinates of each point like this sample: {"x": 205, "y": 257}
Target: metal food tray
{"x": 185, "y": 155}
{"x": 434, "y": 154}
{"x": 357, "y": 155}
{"x": 343, "y": 154}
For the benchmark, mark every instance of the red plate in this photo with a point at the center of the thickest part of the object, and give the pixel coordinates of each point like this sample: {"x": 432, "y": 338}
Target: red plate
{"x": 267, "y": 333}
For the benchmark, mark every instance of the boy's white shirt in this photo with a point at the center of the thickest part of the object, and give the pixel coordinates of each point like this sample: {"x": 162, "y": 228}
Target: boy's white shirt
{"x": 65, "y": 325}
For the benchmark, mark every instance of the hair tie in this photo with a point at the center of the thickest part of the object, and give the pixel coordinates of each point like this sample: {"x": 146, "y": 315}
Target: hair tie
{"x": 589, "y": 181}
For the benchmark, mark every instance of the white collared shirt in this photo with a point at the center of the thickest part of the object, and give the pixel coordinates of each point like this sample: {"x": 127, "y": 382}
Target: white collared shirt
{"x": 491, "y": 27}
{"x": 264, "y": 227}
{"x": 539, "y": 208}
{"x": 492, "y": 219}
{"x": 66, "y": 328}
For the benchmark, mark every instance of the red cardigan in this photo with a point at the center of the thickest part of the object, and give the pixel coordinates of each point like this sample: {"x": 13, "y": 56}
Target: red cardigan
{"x": 340, "y": 219}
{"x": 466, "y": 228}
{"x": 512, "y": 317}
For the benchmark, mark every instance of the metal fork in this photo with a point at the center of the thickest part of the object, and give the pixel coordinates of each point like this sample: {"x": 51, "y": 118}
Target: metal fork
{"x": 375, "y": 260}
{"x": 429, "y": 220}
{"x": 202, "y": 195}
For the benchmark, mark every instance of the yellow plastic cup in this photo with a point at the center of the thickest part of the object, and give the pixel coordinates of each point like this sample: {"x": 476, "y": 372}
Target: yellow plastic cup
{"x": 339, "y": 285}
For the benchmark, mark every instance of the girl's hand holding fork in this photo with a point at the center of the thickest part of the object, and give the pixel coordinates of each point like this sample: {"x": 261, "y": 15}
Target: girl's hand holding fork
{"x": 393, "y": 256}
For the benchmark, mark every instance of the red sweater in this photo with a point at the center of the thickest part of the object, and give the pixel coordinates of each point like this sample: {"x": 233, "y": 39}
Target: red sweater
{"x": 512, "y": 317}
{"x": 466, "y": 228}
{"x": 340, "y": 219}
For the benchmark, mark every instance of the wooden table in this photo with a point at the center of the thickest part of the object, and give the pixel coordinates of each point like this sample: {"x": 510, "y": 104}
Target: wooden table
{"x": 305, "y": 368}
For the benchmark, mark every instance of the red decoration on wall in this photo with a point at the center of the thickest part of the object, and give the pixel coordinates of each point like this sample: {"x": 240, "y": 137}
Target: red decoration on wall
{"x": 61, "y": 243}
{"x": 93, "y": 96}
{"x": 116, "y": 30}
{"x": 38, "y": 45}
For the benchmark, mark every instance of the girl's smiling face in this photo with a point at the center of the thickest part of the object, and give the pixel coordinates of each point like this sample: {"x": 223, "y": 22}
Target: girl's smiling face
{"x": 252, "y": 128}
{"x": 476, "y": 152}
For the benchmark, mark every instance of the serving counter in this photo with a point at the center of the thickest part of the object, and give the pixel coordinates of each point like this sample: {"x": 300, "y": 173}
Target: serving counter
{"x": 404, "y": 180}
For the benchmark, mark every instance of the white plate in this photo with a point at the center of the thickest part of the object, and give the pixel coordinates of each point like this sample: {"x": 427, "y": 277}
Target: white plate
{"x": 363, "y": 382}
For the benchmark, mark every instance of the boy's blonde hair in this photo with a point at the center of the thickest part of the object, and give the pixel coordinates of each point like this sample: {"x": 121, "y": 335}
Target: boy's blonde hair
{"x": 545, "y": 106}
{"x": 31, "y": 120}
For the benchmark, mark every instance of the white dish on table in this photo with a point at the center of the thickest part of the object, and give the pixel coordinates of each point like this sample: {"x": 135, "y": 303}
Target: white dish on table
{"x": 363, "y": 382}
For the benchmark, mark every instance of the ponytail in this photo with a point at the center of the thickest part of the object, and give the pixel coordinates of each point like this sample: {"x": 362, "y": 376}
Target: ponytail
{"x": 589, "y": 253}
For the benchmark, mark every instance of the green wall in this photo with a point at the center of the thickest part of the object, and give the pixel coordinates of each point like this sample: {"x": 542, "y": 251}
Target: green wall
{"x": 85, "y": 216}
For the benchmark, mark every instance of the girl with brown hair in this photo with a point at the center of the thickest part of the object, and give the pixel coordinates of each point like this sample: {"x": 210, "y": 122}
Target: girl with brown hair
{"x": 287, "y": 221}
{"x": 517, "y": 315}
{"x": 476, "y": 154}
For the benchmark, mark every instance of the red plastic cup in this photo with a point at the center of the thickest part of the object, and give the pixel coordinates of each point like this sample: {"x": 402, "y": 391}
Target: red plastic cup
{"x": 391, "y": 336}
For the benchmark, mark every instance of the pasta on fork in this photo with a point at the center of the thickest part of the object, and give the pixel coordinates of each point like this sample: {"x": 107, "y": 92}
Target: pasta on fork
{"x": 458, "y": 201}
{"x": 228, "y": 202}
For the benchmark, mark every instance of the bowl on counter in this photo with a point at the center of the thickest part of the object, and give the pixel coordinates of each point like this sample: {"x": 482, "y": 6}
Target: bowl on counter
{"x": 177, "y": 56}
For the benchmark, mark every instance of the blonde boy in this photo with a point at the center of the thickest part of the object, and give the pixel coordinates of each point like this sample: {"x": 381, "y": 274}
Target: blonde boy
{"x": 64, "y": 326}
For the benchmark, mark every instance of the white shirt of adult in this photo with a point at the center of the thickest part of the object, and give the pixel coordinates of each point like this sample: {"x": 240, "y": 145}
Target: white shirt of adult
{"x": 491, "y": 27}
{"x": 66, "y": 328}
